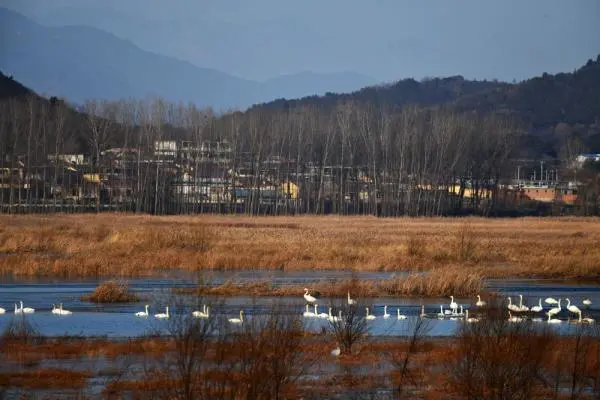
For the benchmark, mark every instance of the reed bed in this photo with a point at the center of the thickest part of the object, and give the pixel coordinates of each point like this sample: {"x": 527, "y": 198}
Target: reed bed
{"x": 111, "y": 292}
{"x": 451, "y": 281}
{"x": 116, "y": 245}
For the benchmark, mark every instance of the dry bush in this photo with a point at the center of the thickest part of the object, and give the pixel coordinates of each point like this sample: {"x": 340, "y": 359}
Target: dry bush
{"x": 111, "y": 292}
{"x": 351, "y": 330}
{"x": 497, "y": 359}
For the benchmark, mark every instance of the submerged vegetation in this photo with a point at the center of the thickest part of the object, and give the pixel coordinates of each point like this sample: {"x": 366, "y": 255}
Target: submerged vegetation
{"x": 116, "y": 245}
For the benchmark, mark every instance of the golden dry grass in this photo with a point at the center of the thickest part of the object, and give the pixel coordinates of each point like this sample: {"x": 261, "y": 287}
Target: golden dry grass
{"x": 110, "y": 292}
{"x": 125, "y": 245}
{"x": 449, "y": 281}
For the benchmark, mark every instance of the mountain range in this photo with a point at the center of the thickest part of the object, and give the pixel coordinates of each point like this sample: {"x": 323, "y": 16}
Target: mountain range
{"x": 81, "y": 62}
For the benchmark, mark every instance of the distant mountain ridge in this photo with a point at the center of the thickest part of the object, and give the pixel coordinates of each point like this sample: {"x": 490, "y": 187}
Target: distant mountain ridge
{"x": 542, "y": 101}
{"x": 79, "y": 62}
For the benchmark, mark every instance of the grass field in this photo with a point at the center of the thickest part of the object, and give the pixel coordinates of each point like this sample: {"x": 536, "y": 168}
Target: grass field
{"x": 125, "y": 246}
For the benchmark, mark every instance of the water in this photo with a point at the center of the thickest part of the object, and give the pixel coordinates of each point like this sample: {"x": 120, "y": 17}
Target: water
{"x": 118, "y": 320}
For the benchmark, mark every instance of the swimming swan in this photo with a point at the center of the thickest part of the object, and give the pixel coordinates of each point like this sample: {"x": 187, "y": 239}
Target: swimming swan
{"x": 142, "y": 313}
{"x": 237, "y": 320}
{"x": 164, "y": 315}
{"x": 27, "y": 310}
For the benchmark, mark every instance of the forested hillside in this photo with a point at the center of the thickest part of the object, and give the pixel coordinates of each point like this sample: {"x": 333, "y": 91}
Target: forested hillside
{"x": 411, "y": 148}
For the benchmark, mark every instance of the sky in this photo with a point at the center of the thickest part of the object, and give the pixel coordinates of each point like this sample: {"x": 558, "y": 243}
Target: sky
{"x": 387, "y": 40}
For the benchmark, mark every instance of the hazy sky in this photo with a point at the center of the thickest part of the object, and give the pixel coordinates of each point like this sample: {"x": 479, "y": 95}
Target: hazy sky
{"x": 385, "y": 39}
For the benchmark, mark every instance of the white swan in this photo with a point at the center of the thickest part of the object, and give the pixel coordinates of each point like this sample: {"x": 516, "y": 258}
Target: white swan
{"x": 55, "y": 309}
{"x": 512, "y": 307}
{"x": 480, "y": 303}
{"x": 550, "y": 300}
{"x": 587, "y": 302}
{"x": 386, "y": 315}
{"x": 18, "y": 310}
{"x": 27, "y": 310}
{"x": 470, "y": 320}
{"x": 205, "y": 313}
{"x": 539, "y": 307}
{"x": 402, "y": 316}
{"x": 308, "y": 314}
{"x": 441, "y": 313}
{"x": 332, "y": 318}
{"x": 239, "y": 320}
{"x": 369, "y": 317}
{"x": 553, "y": 311}
{"x": 142, "y": 313}
{"x": 574, "y": 309}
{"x": 63, "y": 312}
{"x": 321, "y": 315}
{"x": 453, "y": 304}
{"x": 422, "y": 315}
{"x": 164, "y": 315}
{"x": 351, "y": 301}
{"x": 587, "y": 320}
{"x": 522, "y": 307}
{"x": 2, "y": 310}
{"x": 553, "y": 320}
{"x": 336, "y": 352}
{"x": 514, "y": 319}
{"x": 308, "y": 297}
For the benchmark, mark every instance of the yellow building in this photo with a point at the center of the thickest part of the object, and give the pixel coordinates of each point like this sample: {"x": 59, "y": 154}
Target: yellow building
{"x": 290, "y": 189}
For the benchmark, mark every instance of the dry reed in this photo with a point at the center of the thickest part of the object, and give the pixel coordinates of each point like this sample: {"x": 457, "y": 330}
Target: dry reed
{"x": 123, "y": 245}
{"x": 111, "y": 292}
{"x": 451, "y": 281}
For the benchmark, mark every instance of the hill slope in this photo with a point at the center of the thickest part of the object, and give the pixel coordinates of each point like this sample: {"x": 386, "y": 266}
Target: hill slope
{"x": 86, "y": 63}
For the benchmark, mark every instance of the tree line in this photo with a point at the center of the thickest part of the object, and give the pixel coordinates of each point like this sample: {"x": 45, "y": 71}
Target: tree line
{"x": 353, "y": 158}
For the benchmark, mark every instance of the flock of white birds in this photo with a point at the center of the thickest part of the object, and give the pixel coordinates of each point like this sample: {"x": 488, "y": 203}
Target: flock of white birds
{"x": 456, "y": 311}
{"x": 453, "y": 312}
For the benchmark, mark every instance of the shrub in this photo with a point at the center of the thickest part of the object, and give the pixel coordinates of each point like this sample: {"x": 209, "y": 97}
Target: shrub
{"x": 111, "y": 292}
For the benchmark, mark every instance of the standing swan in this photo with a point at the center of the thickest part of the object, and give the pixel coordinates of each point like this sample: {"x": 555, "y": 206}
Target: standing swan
{"x": 164, "y": 315}
{"x": 308, "y": 297}
{"x": 369, "y": 317}
{"x": 27, "y": 310}
{"x": 142, "y": 313}
{"x": 239, "y": 320}
{"x": 480, "y": 303}
{"x": 572, "y": 308}
{"x": 453, "y": 305}
{"x": 351, "y": 302}
{"x": 385, "y": 313}
{"x": 553, "y": 311}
